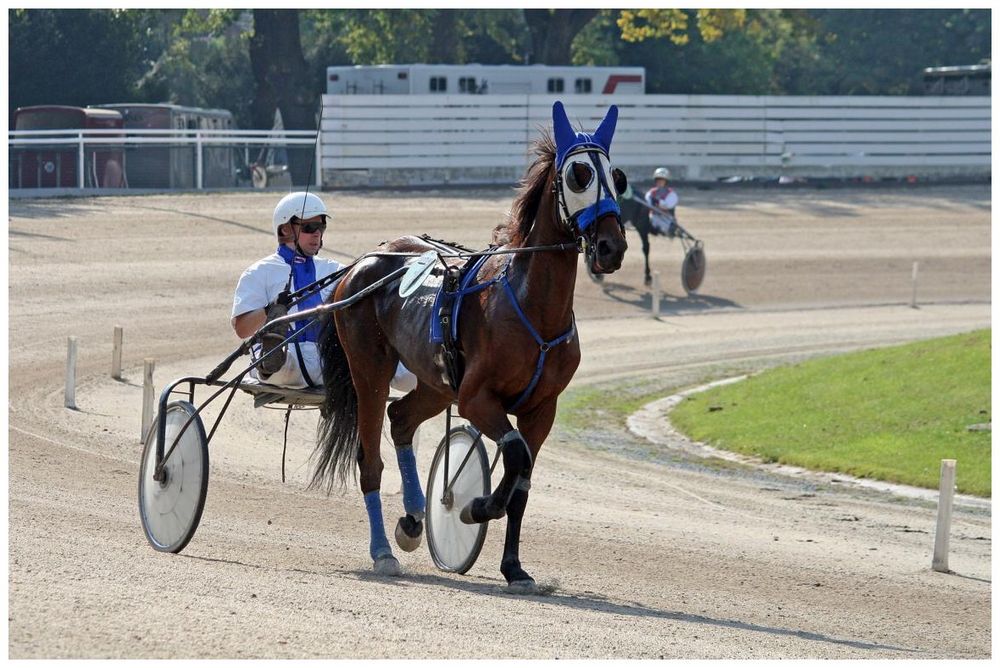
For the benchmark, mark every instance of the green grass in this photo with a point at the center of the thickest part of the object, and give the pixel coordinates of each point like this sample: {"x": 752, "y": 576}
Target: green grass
{"x": 890, "y": 414}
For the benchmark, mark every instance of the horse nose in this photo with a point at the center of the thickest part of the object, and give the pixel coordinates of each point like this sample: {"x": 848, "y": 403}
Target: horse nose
{"x": 609, "y": 255}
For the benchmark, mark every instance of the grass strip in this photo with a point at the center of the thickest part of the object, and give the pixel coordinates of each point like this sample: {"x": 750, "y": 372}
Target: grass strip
{"x": 890, "y": 414}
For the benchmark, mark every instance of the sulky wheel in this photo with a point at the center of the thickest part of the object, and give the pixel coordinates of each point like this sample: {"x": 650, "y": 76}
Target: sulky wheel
{"x": 693, "y": 269}
{"x": 454, "y": 545}
{"x": 170, "y": 508}
{"x": 258, "y": 176}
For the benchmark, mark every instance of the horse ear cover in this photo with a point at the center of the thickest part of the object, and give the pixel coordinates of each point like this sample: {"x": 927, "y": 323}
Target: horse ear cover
{"x": 567, "y": 139}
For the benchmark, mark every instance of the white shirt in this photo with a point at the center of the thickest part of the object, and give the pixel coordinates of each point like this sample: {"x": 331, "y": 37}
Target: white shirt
{"x": 663, "y": 198}
{"x": 259, "y": 286}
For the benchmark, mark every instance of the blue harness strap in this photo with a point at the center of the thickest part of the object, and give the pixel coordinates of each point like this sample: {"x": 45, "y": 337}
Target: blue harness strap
{"x": 466, "y": 288}
{"x": 543, "y": 346}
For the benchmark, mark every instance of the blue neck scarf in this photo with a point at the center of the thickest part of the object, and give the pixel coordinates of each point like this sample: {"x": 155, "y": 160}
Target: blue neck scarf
{"x": 303, "y": 274}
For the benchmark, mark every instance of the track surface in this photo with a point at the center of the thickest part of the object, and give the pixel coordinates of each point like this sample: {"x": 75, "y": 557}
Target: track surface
{"x": 643, "y": 557}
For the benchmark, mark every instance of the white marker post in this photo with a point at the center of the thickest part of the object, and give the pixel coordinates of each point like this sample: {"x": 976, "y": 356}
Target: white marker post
{"x": 655, "y": 305}
{"x": 148, "y": 394}
{"x": 70, "y": 394}
{"x": 116, "y": 354}
{"x": 946, "y": 494}
{"x": 913, "y": 299}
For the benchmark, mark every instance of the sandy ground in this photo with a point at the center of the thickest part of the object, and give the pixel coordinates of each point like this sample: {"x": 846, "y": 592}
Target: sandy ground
{"x": 643, "y": 553}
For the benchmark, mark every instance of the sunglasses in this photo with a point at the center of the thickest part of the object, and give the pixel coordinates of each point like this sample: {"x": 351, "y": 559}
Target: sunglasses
{"x": 312, "y": 228}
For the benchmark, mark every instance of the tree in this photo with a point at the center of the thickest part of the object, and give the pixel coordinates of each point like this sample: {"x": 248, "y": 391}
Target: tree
{"x": 883, "y": 51}
{"x": 742, "y": 53}
{"x": 205, "y": 63}
{"x": 281, "y": 80}
{"x": 495, "y": 36}
{"x": 377, "y": 36}
{"x": 673, "y": 24}
{"x": 553, "y": 31}
{"x": 75, "y": 57}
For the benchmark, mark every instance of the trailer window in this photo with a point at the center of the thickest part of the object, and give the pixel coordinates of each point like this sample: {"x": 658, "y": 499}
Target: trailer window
{"x": 467, "y": 85}
{"x": 555, "y": 85}
{"x": 582, "y": 86}
{"x": 439, "y": 84}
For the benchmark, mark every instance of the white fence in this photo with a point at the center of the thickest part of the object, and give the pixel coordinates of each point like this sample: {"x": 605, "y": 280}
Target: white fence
{"x": 109, "y": 160}
{"x": 376, "y": 140}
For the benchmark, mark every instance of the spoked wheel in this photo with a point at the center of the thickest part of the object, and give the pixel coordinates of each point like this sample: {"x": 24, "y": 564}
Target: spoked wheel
{"x": 454, "y": 545}
{"x": 170, "y": 509}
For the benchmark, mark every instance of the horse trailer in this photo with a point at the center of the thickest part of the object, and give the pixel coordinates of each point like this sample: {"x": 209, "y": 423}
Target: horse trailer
{"x": 173, "y": 166}
{"x": 960, "y": 80}
{"x": 57, "y": 165}
{"x": 484, "y": 80}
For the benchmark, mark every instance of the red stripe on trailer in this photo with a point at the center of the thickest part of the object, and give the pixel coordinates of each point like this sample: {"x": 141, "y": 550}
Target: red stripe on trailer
{"x": 616, "y": 79}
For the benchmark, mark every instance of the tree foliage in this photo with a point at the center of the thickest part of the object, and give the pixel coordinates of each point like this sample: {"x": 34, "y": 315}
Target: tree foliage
{"x": 76, "y": 56}
{"x": 359, "y": 37}
{"x": 206, "y": 63}
{"x": 252, "y": 61}
{"x": 882, "y": 51}
{"x": 674, "y": 24}
{"x": 553, "y": 31}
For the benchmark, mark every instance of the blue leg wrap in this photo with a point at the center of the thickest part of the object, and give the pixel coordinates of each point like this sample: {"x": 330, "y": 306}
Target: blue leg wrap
{"x": 379, "y": 546}
{"x": 413, "y": 497}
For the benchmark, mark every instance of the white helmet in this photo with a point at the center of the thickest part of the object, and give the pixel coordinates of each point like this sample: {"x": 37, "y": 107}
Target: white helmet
{"x": 300, "y": 205}
{"x": 661, "y": 173}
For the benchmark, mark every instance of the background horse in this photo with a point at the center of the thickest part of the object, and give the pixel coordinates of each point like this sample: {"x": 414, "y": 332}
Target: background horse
{"x": 517, "y": 336}
{"x": 635, "y": 213}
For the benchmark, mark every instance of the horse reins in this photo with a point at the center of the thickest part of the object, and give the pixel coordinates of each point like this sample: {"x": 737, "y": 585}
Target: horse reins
{"x": 305, "y": 291}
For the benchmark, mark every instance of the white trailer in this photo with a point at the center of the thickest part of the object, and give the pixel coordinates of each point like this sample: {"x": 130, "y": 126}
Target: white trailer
{"x": 478, "y": 79}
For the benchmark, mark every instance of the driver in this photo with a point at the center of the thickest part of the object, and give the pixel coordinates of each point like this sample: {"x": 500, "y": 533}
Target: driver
{"x": 662, "y": 196}
{"x": 299, "y": 222}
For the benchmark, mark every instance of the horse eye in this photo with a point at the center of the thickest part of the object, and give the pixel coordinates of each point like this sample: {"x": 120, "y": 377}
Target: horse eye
{"x": 621, "y": 181}
{"x": 579, "y": 176}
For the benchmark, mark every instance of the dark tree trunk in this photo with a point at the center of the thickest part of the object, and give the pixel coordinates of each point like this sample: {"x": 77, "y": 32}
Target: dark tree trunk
{"x": 552, "y": 33}
{"x": 444, "y": 48}
{"x": 281, "y": 81}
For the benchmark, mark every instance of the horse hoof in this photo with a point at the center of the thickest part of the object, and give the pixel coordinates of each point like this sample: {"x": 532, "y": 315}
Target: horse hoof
{"x": 523, "y": 587}
{"x": 478, "y": 511}
{"x": 387, "y": 566}
{"x": 466, "y": 514}
{"x": 648, "y": 280}
{"x": 409, "y": 533}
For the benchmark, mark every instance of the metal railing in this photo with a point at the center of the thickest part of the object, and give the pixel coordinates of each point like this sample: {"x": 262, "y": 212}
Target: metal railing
{"x": 171, "y": 147}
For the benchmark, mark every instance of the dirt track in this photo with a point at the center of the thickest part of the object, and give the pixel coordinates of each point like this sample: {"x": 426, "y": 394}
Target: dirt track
{"x": 643, "y": 556}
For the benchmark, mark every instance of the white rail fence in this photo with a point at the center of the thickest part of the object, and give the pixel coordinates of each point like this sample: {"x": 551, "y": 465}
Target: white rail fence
{"x": 404, "y": 140}
{"x": 376, "y": 140}
{"x": 110, "y": 159}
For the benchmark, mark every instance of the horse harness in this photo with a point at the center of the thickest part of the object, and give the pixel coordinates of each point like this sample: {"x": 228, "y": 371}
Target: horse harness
{"x": 459, "y": 281}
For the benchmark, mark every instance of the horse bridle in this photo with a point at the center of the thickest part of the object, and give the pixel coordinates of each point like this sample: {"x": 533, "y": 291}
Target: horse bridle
{"x": 585, "y": 241}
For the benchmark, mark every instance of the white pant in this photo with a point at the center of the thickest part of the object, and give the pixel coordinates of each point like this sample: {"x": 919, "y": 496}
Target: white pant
{"x": 664, "y": 224}
{"x": 290, "y": 375}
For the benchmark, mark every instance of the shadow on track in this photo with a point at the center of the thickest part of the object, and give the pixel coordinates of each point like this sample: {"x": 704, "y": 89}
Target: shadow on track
{"x": 597, "y": 603}
{"x": 642, "y": 299}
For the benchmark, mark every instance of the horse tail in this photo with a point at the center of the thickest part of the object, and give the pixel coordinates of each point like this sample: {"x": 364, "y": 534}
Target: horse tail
{"x": 337, "y": 443}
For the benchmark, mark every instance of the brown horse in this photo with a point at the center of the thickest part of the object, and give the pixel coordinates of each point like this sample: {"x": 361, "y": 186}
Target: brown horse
{"x": 516, "y": 332}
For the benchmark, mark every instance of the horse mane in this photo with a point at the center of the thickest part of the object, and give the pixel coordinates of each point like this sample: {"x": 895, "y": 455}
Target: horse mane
{"x": 514, "y": 231}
